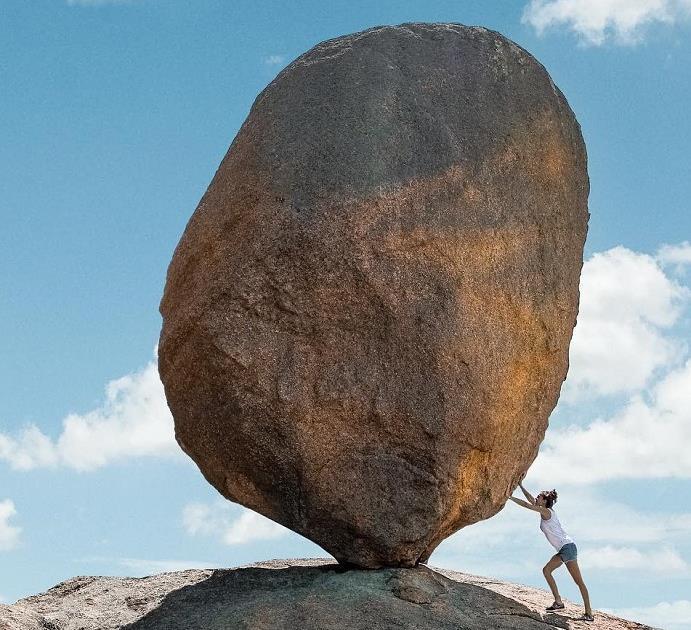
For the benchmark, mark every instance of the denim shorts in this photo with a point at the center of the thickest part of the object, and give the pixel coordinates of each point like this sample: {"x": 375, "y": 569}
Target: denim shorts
{"x": 568, "y": 552}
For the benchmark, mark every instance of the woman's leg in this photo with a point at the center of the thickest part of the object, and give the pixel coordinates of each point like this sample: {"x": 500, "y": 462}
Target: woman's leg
{"x": 575, "y": 571}
{"x": 554, "y": 562}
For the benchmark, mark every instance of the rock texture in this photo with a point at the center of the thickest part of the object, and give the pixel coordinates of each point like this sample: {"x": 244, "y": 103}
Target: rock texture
{"x": 305, "y": 594}
{"x": 366, "y": 322}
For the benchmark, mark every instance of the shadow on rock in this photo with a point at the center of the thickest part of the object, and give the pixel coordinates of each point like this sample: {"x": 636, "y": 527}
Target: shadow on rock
{"x": 329, "y": 596}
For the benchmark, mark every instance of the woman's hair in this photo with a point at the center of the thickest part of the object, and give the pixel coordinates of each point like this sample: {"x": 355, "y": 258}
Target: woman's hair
{"x": 550, "y": 497}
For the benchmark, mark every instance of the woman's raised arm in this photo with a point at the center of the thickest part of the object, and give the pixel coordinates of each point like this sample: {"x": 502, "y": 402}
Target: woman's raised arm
{"x": 536, "y": 508}
{"x": 522, "y": 503}
{"x": 526, "y": 493}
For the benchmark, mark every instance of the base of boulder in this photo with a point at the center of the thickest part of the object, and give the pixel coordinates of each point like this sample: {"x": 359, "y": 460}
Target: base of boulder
{"x": 309, "y": 594}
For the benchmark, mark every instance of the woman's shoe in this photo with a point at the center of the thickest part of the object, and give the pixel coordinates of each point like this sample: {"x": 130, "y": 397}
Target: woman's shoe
{"x": 587, "y": 617}
{"x": 555, "y": 606}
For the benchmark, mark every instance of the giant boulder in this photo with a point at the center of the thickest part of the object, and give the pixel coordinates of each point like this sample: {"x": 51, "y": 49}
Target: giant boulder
{"x": 367, "y": 320}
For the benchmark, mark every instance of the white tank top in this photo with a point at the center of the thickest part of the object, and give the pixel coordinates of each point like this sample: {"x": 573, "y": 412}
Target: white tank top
{"x": 552, "y": 528}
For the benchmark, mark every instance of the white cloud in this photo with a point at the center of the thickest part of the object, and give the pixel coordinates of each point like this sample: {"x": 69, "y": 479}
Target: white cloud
{"x": 596, "y": 21}
{"x": 670, "y": 615}
{"x": 274, "y": 60}
{"x": 627, "y": 302}
{"x": 221, "y": 520}
{"x": 623, "y": 344}
{"x": 642, "y": 440}
{"x": 583, "y": 511}
{"x": 664, "y": 561}
{"x": 9, "y": 534}
{"x": 133, "y": 421}
{"x": 677, "y": 255}
{"x": 31, "y": 449}
{"x": 252, "y": 526}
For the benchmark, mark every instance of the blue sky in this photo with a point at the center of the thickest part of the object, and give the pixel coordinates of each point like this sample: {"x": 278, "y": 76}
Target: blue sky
{"x": 114, "y": 117}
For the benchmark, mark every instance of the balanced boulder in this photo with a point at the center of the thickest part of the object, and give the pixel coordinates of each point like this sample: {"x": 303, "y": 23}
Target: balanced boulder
{"x": 366, "y": 323}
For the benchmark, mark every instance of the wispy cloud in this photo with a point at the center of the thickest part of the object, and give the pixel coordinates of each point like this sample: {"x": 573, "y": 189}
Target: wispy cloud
{"x": 9, "y": 534}
{"x": 582, "y": 508}
{"x": 670, "y": 615}
{"x": 677, "y": 255}
{"x": 610, "y": 557}
{"x": 133, "y": 421}
{"x": 597, "y": 21}
{"x": 224, "y": 522}
{"x": 274, "y": 60}
{"x": 483, "y": 548}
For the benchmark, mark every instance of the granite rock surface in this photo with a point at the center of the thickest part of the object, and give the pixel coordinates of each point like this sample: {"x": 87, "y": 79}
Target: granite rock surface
{"x": 307, "y": 594}
{"x": 366, "y": 322}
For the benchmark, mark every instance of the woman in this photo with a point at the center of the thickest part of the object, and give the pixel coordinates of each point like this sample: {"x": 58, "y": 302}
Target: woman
{"x": 561, "y": 541}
